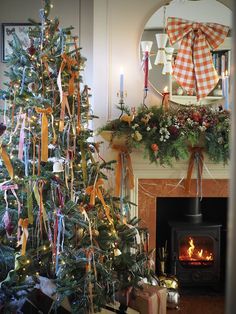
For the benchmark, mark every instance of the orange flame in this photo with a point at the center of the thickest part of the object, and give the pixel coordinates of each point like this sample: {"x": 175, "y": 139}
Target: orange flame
{"x": 194, "y": 254}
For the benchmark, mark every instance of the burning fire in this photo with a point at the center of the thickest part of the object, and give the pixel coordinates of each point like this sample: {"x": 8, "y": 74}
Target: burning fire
{"x": 194, "y": 254}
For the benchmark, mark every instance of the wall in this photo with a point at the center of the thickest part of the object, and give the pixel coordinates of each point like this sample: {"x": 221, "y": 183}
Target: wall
{"x": 69, "y": 13}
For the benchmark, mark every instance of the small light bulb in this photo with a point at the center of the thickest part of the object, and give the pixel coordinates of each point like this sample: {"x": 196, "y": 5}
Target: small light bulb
{"x": 28, "y": 261}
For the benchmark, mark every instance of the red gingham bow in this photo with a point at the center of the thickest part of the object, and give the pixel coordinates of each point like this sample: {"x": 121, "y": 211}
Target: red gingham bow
{"x": 194, "y": 69}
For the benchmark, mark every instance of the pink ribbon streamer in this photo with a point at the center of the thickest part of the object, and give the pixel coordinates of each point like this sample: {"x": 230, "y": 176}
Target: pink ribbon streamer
{"x": 22, "y": 137}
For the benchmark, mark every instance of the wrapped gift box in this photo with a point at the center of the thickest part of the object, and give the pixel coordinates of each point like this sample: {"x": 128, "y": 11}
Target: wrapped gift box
{"x": 149, "y": 300}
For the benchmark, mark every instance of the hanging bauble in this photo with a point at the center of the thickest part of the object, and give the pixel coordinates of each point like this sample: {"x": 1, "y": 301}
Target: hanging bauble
{"x": 33, "y": 87}
{"x": 173, "y": 299}
{"x": 31, "y": 49}
{"x": 117, "y": 252}
{"x": 2, "y": 128}
{"x": 58, "y": 166}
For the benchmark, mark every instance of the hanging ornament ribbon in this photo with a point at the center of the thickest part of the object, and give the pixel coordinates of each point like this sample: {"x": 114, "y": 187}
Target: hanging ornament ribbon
{"x": 23, "y": 224}
{"x": 62, "y": 40}
{"x": 23, "y": 80}
{"x": 94, "y": 191}
{"x": 194, "y": 69}
{"x": 78, "y": 88}
{"x": 129, "y": 176}
{"x": 165, "y": 100}
{"x": 6, "y": 161}
{"x": 54, "y": 140}
{"x": 38, "y": 193}
{"x": 69, "y": 62}
{"x": 44, "y": 131}
{"x": 64, "y": 105}
{"x": 5, "y": 110}
{"x": 42, "y": 20}
{"x": 22, "y": 137}
{"x": 30, "y": 201}
{"x": 60, "y": 238}
{"x": 196, "y": 156}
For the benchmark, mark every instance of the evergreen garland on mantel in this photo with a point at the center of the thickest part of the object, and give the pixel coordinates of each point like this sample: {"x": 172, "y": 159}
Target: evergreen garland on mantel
{"x": 169, "y": 134}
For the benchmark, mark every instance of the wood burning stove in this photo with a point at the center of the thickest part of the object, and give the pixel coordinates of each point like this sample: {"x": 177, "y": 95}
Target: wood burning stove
{"x": 195, "y": 249}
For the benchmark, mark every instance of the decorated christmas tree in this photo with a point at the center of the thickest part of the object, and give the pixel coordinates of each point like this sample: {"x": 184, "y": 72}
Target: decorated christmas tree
{"x": 58, "y": 222}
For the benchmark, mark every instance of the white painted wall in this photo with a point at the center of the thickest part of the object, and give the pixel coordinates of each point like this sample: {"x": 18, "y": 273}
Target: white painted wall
{"x": 18, "y": 11}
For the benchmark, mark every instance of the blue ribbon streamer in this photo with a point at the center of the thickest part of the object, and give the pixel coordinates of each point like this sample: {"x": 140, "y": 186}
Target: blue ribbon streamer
{"x": 62, "y": 40}
{"x": 42, "y": 19}
{"x": 5, "y": 110}
{"x": 23, "y": 81}
{"x": 61, "y": 228}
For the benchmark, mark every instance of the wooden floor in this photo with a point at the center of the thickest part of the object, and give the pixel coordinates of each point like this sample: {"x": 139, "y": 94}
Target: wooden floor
{"x": 199, "y": 305}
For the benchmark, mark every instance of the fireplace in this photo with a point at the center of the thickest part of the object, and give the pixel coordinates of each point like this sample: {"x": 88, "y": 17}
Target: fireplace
{"x": 195, "y": 247}
{"x": 153, "y": 193}
{"x": 195, "y": 253}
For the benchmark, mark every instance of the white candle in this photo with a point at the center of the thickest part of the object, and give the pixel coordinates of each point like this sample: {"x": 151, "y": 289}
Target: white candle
{"x": 121, "y": 82}
{"x": 225, "y": 89}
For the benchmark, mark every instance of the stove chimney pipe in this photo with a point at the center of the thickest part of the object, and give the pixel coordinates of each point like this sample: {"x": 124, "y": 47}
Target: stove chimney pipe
{"x": 194, "y": 214}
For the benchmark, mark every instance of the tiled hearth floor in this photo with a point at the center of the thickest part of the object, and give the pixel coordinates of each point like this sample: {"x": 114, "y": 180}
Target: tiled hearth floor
{"x": 200, "y": 301}
{"x": 199, "y": 305}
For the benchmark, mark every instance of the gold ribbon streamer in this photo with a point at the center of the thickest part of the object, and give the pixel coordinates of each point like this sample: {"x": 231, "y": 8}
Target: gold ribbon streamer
{"x": 38, "y": 194}
{"x": 194, "y": 151}
{"x": 129, "y": 170}
{"x": 94, "y": 191}
{"x": 64, "y": 105}
{"x": 44, "y": 132}
{"x": 7, "y": 161}
{"x": 30, "y": 202}
{"x": 23, "y": 223}
{"x": 78, "y": 128}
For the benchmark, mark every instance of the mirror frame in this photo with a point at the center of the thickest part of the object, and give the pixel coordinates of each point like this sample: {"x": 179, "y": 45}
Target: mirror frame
{"x": 227, "y": 3}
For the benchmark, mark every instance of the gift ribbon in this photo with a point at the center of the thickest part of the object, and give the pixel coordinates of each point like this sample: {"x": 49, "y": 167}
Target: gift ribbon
{"x": 128, "y": 170}
{"x": 23, "y": 223}
{"x": 196, "y": 156}
{"x": 6, "y": 161}
{"x": 194, "y": 69}
{"x": 44, "y": 132}
{"x": 94, "y": 191}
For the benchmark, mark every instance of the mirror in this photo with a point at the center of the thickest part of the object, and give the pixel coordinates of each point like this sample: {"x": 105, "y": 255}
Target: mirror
{"x": 204, "y": 11}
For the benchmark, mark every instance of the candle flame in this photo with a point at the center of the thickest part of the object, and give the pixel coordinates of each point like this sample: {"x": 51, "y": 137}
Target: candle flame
{"x": 165, "y": 90}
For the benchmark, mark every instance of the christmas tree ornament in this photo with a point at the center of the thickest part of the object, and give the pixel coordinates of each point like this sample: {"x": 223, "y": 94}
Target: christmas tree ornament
{"x": 117, "y": 252}
{"x": 58, "y": 166}
{"x": 173, "y": 298}
{"x": 33, "y": 87}
{"x": 32, "y": 50}
{"x": 2, "y": 128}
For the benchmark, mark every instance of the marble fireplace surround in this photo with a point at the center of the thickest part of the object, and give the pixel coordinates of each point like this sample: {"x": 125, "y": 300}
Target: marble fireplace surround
{"x": 152, "y": 181}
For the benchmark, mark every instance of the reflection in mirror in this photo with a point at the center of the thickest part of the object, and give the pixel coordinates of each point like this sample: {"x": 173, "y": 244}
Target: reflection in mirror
{"x": 203, "y": 11}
